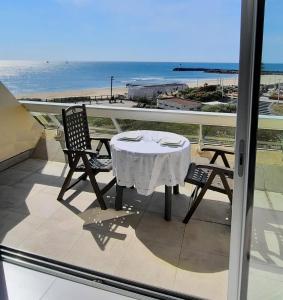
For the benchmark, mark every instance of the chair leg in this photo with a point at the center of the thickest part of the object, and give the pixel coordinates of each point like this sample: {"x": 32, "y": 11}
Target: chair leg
{"x": 65, "y": 185}
{"x": 97, "y": 191}
{"x": 119, "y": 197}
{"x": 94, "y": 184}
{"x": 212, "y": 161}
{"x": 226, "y": 187}
{"x": 196, "y": 203}
{"x": 198, "y": 199}
{"x": 195, "y": 193}
{"x": 168, "y": 203}
{"x": 107, "y": 146}
{"x": 84, "y": 177}
{"x": 225, "y": 160}
{"x": 176, "y": 189}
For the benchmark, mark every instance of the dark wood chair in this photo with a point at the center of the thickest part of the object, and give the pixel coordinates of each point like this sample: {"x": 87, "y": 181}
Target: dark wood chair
{"x": 218, "y": 152}
{"x": 81, "y": 157}
{"x": 210, "y": 177}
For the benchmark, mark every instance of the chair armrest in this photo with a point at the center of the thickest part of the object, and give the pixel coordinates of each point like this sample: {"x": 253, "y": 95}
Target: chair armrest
{"x": 100, "y": 139}
{"x": 218, "y": 149}
{"x": 79, "y": 151}
{"x": 219, "y": 169}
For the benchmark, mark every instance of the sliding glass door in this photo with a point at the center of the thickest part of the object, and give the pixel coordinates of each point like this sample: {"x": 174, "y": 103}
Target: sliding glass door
{"x": 265, "y": 279}
{"x": 256, "y": 261}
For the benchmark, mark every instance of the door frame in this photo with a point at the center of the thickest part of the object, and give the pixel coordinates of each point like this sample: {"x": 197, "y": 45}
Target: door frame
{"x": 252, "y": 23}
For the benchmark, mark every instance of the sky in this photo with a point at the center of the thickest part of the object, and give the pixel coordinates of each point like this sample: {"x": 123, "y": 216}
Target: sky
{"x": 121, "y": 30}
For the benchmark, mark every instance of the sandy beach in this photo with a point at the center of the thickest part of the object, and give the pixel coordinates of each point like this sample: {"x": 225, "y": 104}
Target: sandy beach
{"x": 74, "y": 93}
{"x": 265, "y": 79}
{"x": 92, "y": 92}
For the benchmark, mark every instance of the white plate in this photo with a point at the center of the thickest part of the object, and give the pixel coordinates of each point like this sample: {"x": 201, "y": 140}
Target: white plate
{"x": 174, "y": 142}
{"x": 131, "y": 136}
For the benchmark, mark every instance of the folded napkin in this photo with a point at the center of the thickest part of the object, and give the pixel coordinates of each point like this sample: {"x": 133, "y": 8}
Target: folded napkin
{"x": 130, "y": 136}
{"x": 172, "y": 142}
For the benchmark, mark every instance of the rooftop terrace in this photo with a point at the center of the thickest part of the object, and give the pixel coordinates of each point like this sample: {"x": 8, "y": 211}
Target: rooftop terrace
{"x": 136, "y": 243}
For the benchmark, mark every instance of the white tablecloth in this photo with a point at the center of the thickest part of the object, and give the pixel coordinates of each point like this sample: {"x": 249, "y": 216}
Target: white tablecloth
{"x": 146, "y": 164}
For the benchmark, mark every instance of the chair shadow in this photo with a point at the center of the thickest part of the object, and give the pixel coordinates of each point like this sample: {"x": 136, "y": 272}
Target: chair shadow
{"x": 105, "y": 225}
{"x": 111, "y": 224}
{"x": 267, "y": 240}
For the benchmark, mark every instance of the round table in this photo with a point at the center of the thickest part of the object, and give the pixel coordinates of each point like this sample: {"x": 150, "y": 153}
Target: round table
{"x": 146, "y": 164}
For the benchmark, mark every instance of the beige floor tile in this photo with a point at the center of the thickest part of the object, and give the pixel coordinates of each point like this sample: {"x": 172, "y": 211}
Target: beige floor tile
{"x": 40, "y": 179}
{"x": 132, "y": 201}
{"x": 66, "y": 219}
{"x": 12, "y": 176}
{"x": 203, "y": 275}
{"x": 42, "y": 205}
{"x": 108, "y": 224}
{"x": 31, "y": 165}
{"x": 206, "y": 237}
{"x": 216, "y": 211}
{"x": 51, "y": 240}
{"x": 98, "y": 250}
{"x": 135, "y": 243}
{"x": 79, "y": 200}
{"x": 153, "y": 227}
{"x": 149, "y": 262}
{"x": 14, "y": 235}
{"x": 15, "y": 227}
{"x": 14, "y": 198}
{"x": 180, "y": 204}
{"x": 51, "y": 168}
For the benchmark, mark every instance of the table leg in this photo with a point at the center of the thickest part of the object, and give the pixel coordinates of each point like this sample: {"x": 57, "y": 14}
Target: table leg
{"x": 119, "y": 197}
{"x": 168, "y": 202}
{"x": 176, "y": 189}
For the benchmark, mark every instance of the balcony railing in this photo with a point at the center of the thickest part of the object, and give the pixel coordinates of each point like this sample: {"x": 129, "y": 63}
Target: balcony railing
{"x": 266, "y": 122}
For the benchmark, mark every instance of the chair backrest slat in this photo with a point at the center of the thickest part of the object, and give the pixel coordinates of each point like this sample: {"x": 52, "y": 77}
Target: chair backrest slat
{"x": 76, "y": 129}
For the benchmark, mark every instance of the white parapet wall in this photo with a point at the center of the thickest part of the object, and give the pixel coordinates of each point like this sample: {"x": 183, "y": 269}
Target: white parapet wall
{"x": 19, "y": 131}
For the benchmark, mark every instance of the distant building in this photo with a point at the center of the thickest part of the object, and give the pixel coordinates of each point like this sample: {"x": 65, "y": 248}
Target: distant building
{"x": 150, "y": 91}
{"x": 174, "y": 103}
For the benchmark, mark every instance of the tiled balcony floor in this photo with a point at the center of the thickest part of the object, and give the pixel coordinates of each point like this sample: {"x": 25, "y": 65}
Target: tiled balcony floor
{"x": 136, "y": 243}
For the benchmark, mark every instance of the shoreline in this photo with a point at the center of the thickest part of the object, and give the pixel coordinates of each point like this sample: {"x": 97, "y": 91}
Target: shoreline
{"x": 122, "y": 90}
{"x": 92, "y": 92}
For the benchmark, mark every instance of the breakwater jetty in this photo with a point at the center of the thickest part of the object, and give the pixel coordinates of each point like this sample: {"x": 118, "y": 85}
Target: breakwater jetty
{"x": 222, "y": 71}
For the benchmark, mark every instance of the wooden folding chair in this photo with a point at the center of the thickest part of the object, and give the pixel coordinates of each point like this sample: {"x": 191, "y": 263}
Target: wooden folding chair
{"x": 81, "y": 157}
{"x": 218, "y": 152}
{"x": 208, "y": 177}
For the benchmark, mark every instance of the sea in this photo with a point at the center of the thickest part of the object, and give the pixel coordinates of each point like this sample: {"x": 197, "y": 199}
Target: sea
{"x": 25, "y": 77}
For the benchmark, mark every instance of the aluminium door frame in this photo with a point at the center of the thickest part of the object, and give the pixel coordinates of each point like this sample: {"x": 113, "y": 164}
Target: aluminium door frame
{"x": 252, "y": 20}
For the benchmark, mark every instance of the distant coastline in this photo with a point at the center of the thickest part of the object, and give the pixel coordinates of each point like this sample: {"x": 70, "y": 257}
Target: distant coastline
{"x": 26, "y": 78}
{"x": 221, "y": 71}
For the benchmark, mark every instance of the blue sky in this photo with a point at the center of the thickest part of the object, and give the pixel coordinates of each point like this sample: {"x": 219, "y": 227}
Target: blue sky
{"x": 123, "y": 30}
{"x": 273, "y": 32}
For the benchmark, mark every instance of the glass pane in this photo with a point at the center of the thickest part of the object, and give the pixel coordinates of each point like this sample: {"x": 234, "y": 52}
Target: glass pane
{"x": 266, "y": 260}
{"x": 123, "y": 59}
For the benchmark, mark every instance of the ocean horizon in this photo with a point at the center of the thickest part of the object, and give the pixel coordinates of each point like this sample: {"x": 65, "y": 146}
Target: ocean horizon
{"x": 24, "y": 77}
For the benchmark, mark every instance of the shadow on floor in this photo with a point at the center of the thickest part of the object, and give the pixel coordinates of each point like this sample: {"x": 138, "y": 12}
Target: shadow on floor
{"x": 138, "y": 214}
{"x": 267, "y": 240}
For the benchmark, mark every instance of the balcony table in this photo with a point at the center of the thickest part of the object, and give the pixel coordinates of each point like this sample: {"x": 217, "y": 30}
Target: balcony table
{"x": 147, "y": 164}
